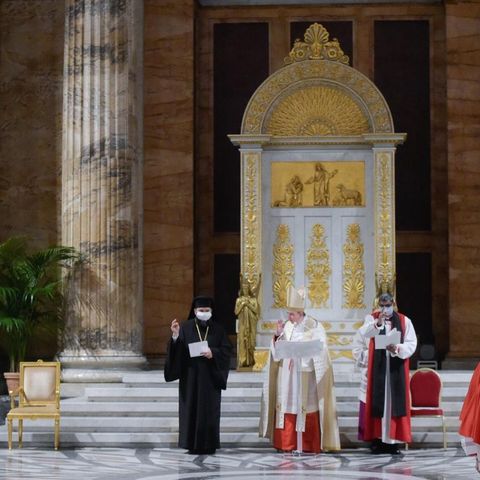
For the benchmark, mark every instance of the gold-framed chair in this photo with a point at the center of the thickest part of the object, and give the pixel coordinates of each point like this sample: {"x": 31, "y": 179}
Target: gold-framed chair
{"x": 38, "y": 398}
{"x": 426, "y": 396}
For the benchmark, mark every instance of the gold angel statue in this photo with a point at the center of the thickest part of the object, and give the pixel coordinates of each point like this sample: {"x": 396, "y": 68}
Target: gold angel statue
{"x": 247, "y": 310}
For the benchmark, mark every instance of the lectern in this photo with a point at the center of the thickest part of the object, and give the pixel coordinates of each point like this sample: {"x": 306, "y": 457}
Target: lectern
{"x": 296, "y": 351}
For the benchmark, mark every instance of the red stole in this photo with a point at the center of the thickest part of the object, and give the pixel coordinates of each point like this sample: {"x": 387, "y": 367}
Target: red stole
{"x": 400, "y": 429}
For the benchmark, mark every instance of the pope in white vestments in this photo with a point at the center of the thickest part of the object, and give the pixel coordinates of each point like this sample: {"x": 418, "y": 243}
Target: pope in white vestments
{"x": 281, "y": 414}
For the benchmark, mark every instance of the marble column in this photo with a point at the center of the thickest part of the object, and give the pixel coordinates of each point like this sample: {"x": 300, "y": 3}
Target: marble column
{"x": 102, "y": 184}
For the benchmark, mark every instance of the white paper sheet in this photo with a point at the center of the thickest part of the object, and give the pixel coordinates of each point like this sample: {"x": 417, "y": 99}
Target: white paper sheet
{"x": 391, "y": 338}
{"x": 197, "y": 348}
{"x": 308, "y": 349}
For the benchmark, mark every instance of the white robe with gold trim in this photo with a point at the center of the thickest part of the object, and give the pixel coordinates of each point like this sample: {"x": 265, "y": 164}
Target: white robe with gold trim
{"x": 279, "y": 390}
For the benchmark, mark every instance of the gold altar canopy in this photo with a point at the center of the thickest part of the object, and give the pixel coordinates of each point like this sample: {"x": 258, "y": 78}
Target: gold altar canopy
{"x": 317, "y": 149}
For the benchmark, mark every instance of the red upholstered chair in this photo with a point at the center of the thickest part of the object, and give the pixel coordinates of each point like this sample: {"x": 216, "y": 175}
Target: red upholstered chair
{"x": 426, "y": 394}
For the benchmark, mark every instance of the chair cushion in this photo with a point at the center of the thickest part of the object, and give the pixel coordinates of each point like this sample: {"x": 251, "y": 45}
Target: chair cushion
{"x": 425, "y": 389}
{"x": 47, "y": 410}
{"x": 418, "y": 412}
{"x": 39, "y": 383}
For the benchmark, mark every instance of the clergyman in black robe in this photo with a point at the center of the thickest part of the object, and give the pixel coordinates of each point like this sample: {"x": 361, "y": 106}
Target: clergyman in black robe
{"x": 201, "y": 378}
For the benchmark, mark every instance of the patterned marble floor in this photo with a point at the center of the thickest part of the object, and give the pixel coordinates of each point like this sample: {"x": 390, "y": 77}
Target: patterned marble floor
{"x": 232, "y": 464}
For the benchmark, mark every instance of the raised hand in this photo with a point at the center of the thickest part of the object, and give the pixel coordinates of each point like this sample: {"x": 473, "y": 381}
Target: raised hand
{"x": 381, "y": 319}
{"x": 175, "y": 328}
{"x": 280, "y": 327}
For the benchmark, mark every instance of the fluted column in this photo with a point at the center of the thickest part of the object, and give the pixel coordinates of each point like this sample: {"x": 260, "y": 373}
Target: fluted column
{"x": 102, "y": 182}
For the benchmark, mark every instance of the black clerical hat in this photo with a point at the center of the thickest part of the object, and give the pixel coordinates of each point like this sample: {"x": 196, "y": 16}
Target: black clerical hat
{"x": 201, "y": 301}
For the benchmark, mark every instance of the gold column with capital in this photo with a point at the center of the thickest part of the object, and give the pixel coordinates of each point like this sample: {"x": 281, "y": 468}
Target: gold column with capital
{"x": 384, "y": 194}
{"x": 102, "y": 185}
{"x": 251, "y": 240}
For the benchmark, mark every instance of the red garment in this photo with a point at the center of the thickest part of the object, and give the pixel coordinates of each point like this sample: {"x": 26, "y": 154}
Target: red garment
{"x": 286, "y": 438}
{"x": 470, "y": 414}
{"x": 400, "y": 428}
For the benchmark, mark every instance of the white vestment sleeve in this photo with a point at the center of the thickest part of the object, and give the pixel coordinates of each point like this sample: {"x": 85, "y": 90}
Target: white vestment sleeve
{"x": 369, "y": 329}
{"x": 360, "y": 346}
{"x": 409, "y": 345}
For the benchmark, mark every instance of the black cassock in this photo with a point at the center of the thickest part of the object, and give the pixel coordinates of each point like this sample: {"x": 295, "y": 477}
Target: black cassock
{"x": 201, "y": 382}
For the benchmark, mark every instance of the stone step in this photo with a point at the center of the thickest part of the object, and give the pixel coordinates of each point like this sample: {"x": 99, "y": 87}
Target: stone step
{"x": 116, "y": 439}
{"x": 161, "y": 394}
{"x": 255, "y": 379}
{"x": 227, "y": 424}
{"x": 135, "y": 424}
{"x": 240, "y": 394}
{"x": 169, "y": 439}
{"x": 73, "y": 390}
{"x": 154, "y": 377}
{"x": 142, "y": 410}
{"x": 230, "y": 407}
{"x": 78, "y": 407}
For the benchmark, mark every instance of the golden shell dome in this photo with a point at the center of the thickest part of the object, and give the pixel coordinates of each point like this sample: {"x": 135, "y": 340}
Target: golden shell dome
{"x": 317, "y": 110}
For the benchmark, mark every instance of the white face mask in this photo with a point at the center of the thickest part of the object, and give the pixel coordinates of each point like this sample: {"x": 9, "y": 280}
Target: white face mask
{"x": 388, "y": 311}
{"x": 203, "y": 316}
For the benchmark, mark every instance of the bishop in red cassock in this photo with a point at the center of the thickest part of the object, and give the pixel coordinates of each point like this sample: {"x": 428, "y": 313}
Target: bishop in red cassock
{"x": 387, "y": 411}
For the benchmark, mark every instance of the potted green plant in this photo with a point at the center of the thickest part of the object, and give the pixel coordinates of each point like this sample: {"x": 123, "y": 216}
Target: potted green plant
{"x": 31, "y": 297}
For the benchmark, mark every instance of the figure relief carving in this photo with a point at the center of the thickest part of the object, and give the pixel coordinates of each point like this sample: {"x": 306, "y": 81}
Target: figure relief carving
{"x": 293, "y": 194}
{"x": 283, "y": 267}
{"x": 347, "y": 197}
{"x": 353, "y": 269}
{"x": 321, "y": 184}
{"x": 318, "y": 269}
{"x": 294, "y": 184}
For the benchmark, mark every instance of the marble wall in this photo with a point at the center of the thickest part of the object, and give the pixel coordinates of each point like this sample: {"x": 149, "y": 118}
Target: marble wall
{"x": 168, "y": 167}
{"x": 463, "y": 111}
{"x": 31, "y": 70}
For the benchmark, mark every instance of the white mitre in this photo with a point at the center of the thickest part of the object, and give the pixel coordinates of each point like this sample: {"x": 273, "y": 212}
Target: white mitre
{"x": 295, "y": 299}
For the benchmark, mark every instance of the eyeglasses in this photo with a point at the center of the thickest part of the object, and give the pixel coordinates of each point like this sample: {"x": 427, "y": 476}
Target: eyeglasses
{"x": 385, "y": 305}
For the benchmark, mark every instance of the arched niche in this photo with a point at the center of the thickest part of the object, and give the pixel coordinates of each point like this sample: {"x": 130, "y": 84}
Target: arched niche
{"x": 318, "y": 110}
{"x": 338, "y": 90}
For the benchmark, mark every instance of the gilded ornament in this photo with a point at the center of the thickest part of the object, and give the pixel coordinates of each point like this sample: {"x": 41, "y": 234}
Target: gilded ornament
{"x": 336, "y": 354}
{"x": 301, "y": 75}
{"x": 251, "y": 260}
{"x": 316, "y": 46}
{"x": 327, "y": 325}
{"x": 353, "y": 269}
{"x": 261, "y": 359}
{"x": 283, "y": 267}
{"x": 318, "y": 268}
{"x": 317, "y": 110}
{"x": 384, "y": 235}
{"x": 337, "y": 340}
{"x": 247, "y": 310}
{"x": 268, "y": 326}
